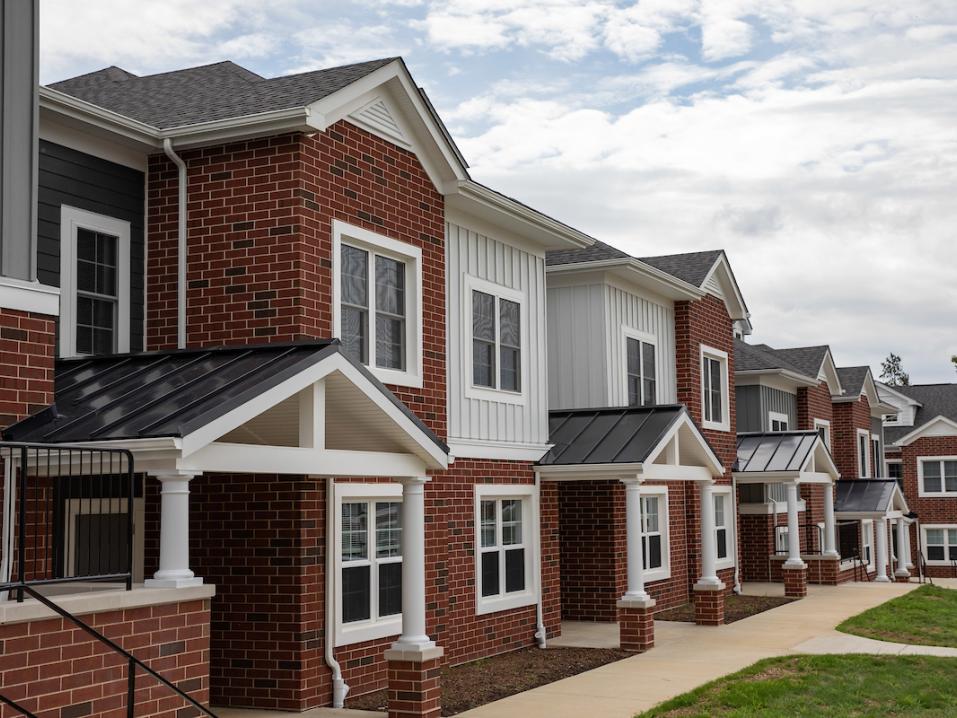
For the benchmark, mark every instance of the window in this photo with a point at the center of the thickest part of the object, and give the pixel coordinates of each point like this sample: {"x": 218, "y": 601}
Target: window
{"x": 777, "y": 422}
{"x": 940, "y": 543}
{"x": 377, "y": 289}
{"x": 938, "y": 475}
{"x": 94, "y": 539}
{"x": 495, "y": 346}
{"x": 892, "y": 419}
{"x": 848, "y": 539}
{"x": 876, "y": 456}
{"x": 867, "y": 542}
{"x": 94, "y": 283}
{"x": 863, "y": 453}
{"x": 714, "y": 389}
{"x": 823, "y": 428}
{"x": 504, "y": 528}
{"x": 640, "y": 369}
{"x": 781, "y": 539}
{"x": 723, "y": 526}
{"x": 654, "y": 533}
{"x": 895, "y": 470}
{"x": 369, "y": 561}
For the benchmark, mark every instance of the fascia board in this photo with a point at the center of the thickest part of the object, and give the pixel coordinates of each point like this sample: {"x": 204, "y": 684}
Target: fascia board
{"x": 668, "y": 286}
{"x": 68, "y": 106}
{"x": 799, "y": 379}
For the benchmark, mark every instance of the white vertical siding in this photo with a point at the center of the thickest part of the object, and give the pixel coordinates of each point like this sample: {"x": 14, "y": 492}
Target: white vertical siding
{"x": 471, "y": 253}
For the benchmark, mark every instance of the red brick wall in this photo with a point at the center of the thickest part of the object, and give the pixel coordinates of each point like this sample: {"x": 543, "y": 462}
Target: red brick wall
{"x": 814, "y": 403}
{"x": 260, "y": 241}
{"x": 930, "y": 510}
{"x": 27, "y": 350}
{"x": 56, "y": 670}
{"x": 849, "y": 416}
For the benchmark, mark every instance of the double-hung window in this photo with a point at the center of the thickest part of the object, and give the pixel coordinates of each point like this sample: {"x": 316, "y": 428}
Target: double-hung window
{"x": 377, "y": 296}
{"x": 823, "y": 428}
{"x": 895, "y": 470}
{"x": 504, "y": 545}
{"x": 94, "y": 283}
{"x": 723, "y": 523}
{"x": 940, "y": 544}
{"x": 778, "y": 421}
{"x": 867, "y": 541}
{"x": 876, "y": 457}
{"x": 714, "y": 389}
{"x": 640, "y": 369}
{"x": 863, "y": 454}
{"x": 938, "y": 475}
{"x": 369, "y": 558}
{"x": 654, "y": 533}
{"x": 495, "y": 316}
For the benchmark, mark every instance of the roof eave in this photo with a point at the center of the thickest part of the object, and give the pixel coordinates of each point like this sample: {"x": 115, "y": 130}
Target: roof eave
{"x": 790, "y": 375}
{"x": 666, "y": 284}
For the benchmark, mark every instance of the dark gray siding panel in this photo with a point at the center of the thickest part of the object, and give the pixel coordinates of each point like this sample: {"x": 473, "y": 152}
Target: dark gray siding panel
{"x": 748, "y": 408}
{"x": 781, "y": 402}
{"x": 72, "y": 178}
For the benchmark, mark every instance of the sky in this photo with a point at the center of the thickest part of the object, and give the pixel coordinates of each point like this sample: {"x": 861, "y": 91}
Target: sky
{"x": 814, "y": 140}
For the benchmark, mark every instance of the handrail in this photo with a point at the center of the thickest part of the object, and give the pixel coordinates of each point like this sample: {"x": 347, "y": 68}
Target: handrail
{"x": 132, "y": 661}
{"x": 924, "y": 576}
{"x": 16, "y": 706}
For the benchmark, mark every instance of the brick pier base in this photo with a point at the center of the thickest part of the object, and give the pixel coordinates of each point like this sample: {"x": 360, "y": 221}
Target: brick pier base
{"x": 829, "y": 569}
{"x": 795, "y": 582}
{"x": 414, "y": 685}
{"x": 636, "y": 624}
{"x": 902, "y": 576}
{"x": 709, "y": 604}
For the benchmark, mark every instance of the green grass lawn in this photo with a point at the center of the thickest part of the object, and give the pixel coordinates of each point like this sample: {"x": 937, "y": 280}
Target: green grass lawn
{"x": 925, "y": 616}
{"x": 813, "y": 686}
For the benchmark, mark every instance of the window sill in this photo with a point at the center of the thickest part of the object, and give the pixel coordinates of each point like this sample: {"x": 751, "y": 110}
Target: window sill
{"x": 500, "y": 396}
{"x": 484, "y": 606}
{"x": 716, "y": 426}
{"x": 722, "y": 564}
{"x": 396, "y": 378}
{"x": 348, "y": 634}
{"x": 656, "y": 575}
{"x": 777, "y": 507}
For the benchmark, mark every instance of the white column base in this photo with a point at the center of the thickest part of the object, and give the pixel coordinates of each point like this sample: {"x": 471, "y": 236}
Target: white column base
{"x": 831, "y": 554}
{"x": 413, "y": 653}
{"x": 709, "y": 584}
{"x": 792, "y": 563}
{"x": 882, "y": 579}
{"x": 902, "y": 572}
{"x": 173, "y": 582}
{"x": 627, "y": 601}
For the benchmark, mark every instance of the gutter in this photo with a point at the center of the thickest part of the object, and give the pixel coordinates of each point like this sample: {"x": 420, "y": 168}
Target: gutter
{"x": 539, "y": 610}
{"x": 181, "y": 244}
{"x": 339, "y": 688}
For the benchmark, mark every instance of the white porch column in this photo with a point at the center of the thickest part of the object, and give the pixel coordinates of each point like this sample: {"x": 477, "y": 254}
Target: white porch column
{"x": 794, "y": 530}
{"x": 636, "y": 578}
{"x": 709, "y": 552}
{"x": 830, "y": 525}
{"x": 903, "y": 550}
{"x": 881, "y": 526}
{"x": 174, "y": 571}
{"x": 909, "y": 564}
{"x": 413, "y": 638}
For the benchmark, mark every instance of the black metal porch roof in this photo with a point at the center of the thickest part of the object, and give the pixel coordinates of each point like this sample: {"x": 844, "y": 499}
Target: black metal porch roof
{"x": 774, "y": 451}
{"x": 861, "y": 496}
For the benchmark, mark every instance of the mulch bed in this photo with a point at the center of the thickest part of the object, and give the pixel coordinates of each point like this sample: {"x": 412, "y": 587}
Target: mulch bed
{"x": 474, "y": 684}
{"x": 735, "y": 608}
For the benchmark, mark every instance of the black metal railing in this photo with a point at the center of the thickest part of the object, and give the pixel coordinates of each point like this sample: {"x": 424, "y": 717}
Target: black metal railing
{"x": 923, "y": 576}
{"x": 67, "y": 515}
{"x": 812, "y": 540}
{"x": 16, "y": 706}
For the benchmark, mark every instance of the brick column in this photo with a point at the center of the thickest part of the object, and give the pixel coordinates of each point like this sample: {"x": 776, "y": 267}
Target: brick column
{"x": 709, "y": 604}
{"x": 795, "y": 581}
{"x": 415, "y": 689}
{"x": 636, "y": 624}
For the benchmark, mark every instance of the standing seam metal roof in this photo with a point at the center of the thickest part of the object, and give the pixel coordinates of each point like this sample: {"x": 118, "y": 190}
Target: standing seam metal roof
{"x": 786, "y": 451}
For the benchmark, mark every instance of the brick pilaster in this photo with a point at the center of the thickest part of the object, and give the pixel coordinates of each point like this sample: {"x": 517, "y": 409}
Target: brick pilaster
{"x": 414, "y": 687}
{"x": 709, "y": 604}
{"x": 795, "y": 582}
{"x": 636, "y": 624}
{"x": 829, "y": 570}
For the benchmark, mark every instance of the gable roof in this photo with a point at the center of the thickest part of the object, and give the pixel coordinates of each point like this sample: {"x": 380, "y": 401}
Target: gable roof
{"x": 853, "y": 379}
{"x": 783, "y": 454}
{"x": 868, "y": 496}
{"x": 757, "y": 357}
{"x": 935, "y": 400}
{"x": 597, "y": 252}
{"x": 221, "y": 91}
{"x": 807, "y": 359}
{"x": 691, "y": 267}
{"x": 800, "y": 364}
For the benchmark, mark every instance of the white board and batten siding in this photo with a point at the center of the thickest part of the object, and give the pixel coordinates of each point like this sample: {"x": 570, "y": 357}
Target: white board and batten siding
{"x": 586, "y": 336}
{"x": 483, "y": 427}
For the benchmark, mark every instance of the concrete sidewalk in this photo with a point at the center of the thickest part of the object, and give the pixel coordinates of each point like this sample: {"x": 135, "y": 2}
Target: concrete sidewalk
{"x": 687, "y": 656}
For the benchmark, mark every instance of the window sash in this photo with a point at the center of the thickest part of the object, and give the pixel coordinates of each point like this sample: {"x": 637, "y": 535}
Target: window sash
{"x": 652, "y": 537}
{"x": 941, "y": 544}
{"x": 722, "y": 544}
{"x": 876, "y": 457}
{"x": 496, "y": 342}
{"x": 370, "y": 540}
{"x": 862, "y": 454}
{"x": 502, "y": 559}
{"x": 640, "y": 372}
{"x": 713, "y": 394}
{"x": 939, "y": 476}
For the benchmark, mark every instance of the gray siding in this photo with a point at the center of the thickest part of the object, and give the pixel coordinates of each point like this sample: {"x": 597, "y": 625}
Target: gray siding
{"x": 471, "y": 253}
{"x": 18, "y": 136}
{"x": 753, "y": 404}
{"x": 577, "y": 347}
{"x": 72, "y": 178}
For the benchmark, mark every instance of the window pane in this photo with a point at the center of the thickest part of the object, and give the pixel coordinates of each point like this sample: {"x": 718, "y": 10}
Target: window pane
{"x": 390, "y": 589}
{"x": 634, "y": 390}
{"x": 389, "y": 342}
{"x": 950, "y": 475}
{"x": 652, "y": 553}
{"x": 388, "y": 529}
{"x": 483, "y": 363}
{"x": 508, "y": 323}
{"x": 490, "y": 573}
{"x": 648, "y": 374}
{"x": 952, "y": 537}
{"x": 634, "y": 357}
{"x": 354, "y": 332}
{"x": 719, "y": 510}
{"x": 722, "y": 543}
{"x": 483, "y": 316}
{"x": 935, "y": 536}
{"x": 354, "y": 531}
{"x": 717, "y": 411}
{"x": 511, "y": 369}
{"x": 355, "y": 276}
{"x": 515, "y": 570}
{"x": 650, "y": 513}
{"x": 511, "y": 522}
{"x": 488, "y": 523}
{"x": 935, "y": 553}
{"x": 356, "y": 594}
{"x": 932, "y": 478}
{"x": 389, "y": 286}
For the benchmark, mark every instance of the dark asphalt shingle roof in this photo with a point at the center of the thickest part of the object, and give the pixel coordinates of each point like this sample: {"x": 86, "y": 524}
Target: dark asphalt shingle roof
{"x": 608, "y": 436}
{"x": 220, "y": 91}
{"x": 864, "y": 495}
{"x": 808, "y": 360}
{"x": 169, "y": 393}
{"x": 936, "y": 400}
{"x": 595, "y": 253}
{"x": 774, "y": 451}
{"x": 852, "y": 379}
{"x": 691, "y": 267}
{"x": 755, "y": 357}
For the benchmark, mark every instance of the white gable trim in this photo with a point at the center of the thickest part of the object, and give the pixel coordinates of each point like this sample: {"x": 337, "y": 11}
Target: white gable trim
{"x": 722, "y": 276}
{"x": 828, "y": 374}
{"x": 818, "y": 468}
{"x": 938, "y": 426}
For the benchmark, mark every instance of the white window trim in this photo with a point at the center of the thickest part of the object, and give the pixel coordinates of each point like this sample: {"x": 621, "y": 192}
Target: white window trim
{"x": 887, "y": 467}
{"x": 826, "y": 425}
{"x": 411, "y": 256}
{"x": 72, "y": 219}
{"x": 729, "y": 524}
{"x": 780, "y": 537}
{"x": 664, "y": 521}
{"x": 499, "y": 291}
{"x": 358, "y": 631}
{"x": 863, "y": 472}
{"x": 867, "y": 542}
{"x": 876, "y": 453}
{"x": 629, "y": 333}
{"x": 725, "y": 423}
{"x": 943, "y": 493}
{"x": 778, "y": 416}
{"x": 923, "y": 543}
{"x": 519, "y": 599}
{"x": 86, "y": 507}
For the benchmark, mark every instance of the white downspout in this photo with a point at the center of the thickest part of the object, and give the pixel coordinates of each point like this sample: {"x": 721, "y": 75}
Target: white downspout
{"x": 539, "y": 611}
{"x": 181, "y": 242}
{"x": 339, "y": 687}
{"x": 9, "y": 502}
{"x": 737, "y": 528}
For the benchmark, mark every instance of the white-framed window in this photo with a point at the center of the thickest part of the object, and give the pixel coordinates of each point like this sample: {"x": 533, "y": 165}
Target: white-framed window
{"x": 876, "y": 456}
{"x": 94, "y": 541}
{"x": 863, "y": 453}
{"x": 724, "y": 526}
{"x": 823, "y": 428}
{"x": 891, "y": 419}
{"x": 641, "y": 367}
{"x": 496, "y": 341}
{"x": 655, "y": 543}
{"x": 368, "y": 561}
{"x": 504, "y": 547}
{"x": 715, "y": 411}
{"x": 94, "y": 283}
{"x": 940, "y": 543}
{"x": 867, "y": 542}
{"x": 377, "y": 303}
{"x": 781, "y": 539}
{"x": 778, "y": 421}
{"x": 937, "y": 475}
{"x": 895, "y": 469}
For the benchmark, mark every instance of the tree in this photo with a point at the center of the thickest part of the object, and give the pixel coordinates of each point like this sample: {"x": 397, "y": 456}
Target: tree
{"x": 954, "y": 360}
{"x": 893, "y": 374}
